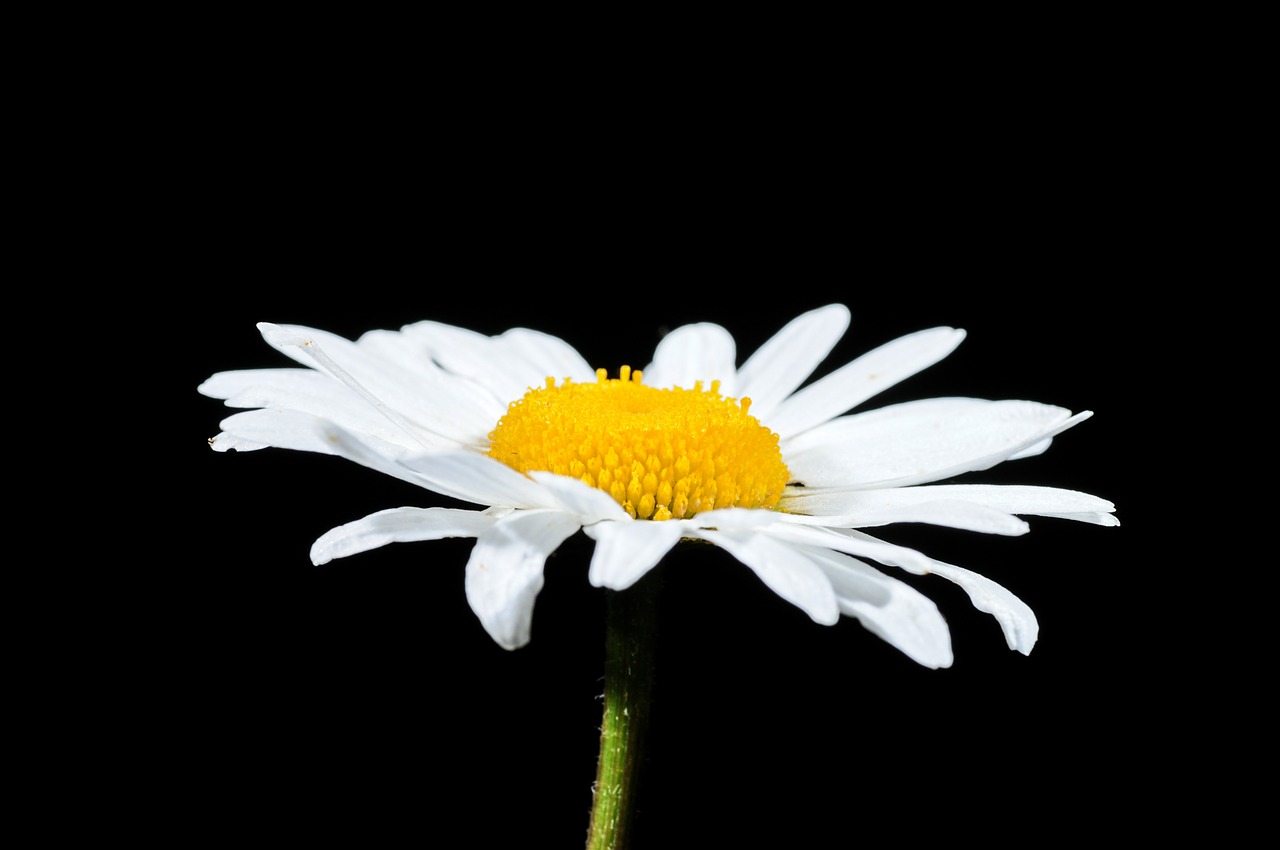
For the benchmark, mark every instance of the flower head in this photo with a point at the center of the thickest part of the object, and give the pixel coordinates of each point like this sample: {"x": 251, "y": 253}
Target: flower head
{"x": 778, "y": 473}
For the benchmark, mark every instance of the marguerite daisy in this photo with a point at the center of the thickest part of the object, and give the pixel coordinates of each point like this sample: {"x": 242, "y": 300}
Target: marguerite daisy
{"x": 692, "y": 446}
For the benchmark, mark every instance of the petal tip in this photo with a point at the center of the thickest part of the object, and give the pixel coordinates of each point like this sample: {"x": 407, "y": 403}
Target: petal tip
{"x": 511, "y": 644}
{"x": 279, "y": 336}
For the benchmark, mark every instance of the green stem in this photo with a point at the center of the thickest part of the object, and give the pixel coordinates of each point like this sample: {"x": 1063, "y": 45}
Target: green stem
{"x": 630, "y": 634}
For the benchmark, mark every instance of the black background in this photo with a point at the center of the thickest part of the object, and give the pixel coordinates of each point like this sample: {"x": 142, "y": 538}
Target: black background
{"x": 364, "y": 695}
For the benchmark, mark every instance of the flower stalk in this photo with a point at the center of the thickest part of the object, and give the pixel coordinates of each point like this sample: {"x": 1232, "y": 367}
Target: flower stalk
{"x": 630, "y": 637}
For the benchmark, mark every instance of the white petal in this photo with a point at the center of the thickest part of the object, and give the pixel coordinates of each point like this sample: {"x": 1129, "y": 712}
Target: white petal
{"x": 506, "y": 365}
{"x": 700, "y": 352}
{"x": 921, "y": 441}
{"x": 464, "y": 353}
{"x": 541, "y": 356}
{"x": 1016, "y": 619}
{"x": 505, "y": 571}
{"x": 587, "y": 504}
{"x": 397, "y": 525}
{"x": 226, "y": 385}
{"x": 789, "y": 357}
{"x": 392, "y": 381}
{"x": 466, "y": 407}
{"x": 478, "y": 478}
{"x": 1008, "y": 498}
{"x": 225, "y": 442}
{"x": 291, "y": 429}
{"x": 626, "y": 550}
{"x": 385, "y": 387}
{"x": 893, "y": 611}
{"x": 310, "y": 391}
{"x": 356, "y": 448}
{"x": 291, "y": 339}
{"x": 855, "y": 382}
{"x": 1093, "y": 517}
{"x": 301, "y": 431}
{"x": 733, "y": 519}
{"x": 850, "y": 542}
{"x": 301, "y": 343}
{"x": 950, "y": 513}
{"x": 788, "y": 571}
{"x": 1033, "y": 450}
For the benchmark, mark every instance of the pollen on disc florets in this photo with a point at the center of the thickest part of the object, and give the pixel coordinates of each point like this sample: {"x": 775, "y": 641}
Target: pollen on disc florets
{"x": 660, "y": 453}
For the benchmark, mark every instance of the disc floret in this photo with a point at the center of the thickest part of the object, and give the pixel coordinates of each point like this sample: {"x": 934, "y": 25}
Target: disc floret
{"x": 660, "y": 453}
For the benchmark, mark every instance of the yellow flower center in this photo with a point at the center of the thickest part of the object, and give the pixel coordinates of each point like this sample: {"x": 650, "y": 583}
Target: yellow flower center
{"x": 661, "y": 453}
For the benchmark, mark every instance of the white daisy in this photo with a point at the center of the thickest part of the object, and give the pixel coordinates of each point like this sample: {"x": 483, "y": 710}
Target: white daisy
{"x": 781, "y": 476}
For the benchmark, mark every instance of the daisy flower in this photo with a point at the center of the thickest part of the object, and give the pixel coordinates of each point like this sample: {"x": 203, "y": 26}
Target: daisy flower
{"x": 789, "y": 477}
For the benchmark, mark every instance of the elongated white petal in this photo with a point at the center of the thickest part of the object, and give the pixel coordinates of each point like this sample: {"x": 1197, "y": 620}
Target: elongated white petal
{"x": 700, "y": 352}
{"x": 292, "y": 340}
{"x": 227, "y": 385}
{"x": 310, "y": 391}
{"x": 543, "y": 356}
{"x": 586, "y": 504}
{"x": 478, "y": 478}
{"x": 300, "y": 343}
{"x": 292, "y": 429}
{"x": 789, "y": 357}
{"x": 1093, "y": 517}
{"x": 372, "y": 378}
{"x": 1017, "y": 620}
{"x": 950, "y": 513}
{"x": 788, "y": 571}
{"x": 859, "y": 380}
{"x": 397, "y": 525}
{"x": 893, "y": 611}
{"x": 921, "y": 441}
{"x": 443, "y": 387}
{"x": 225, "y": 442}
{"x": 505, "y": 571}
{"x": 626, "y": 550}
{"x": 356, "y": 448}
{"x": 506, "y": 365}
{"x": 438, "y": 403}
{"x": 799, "y": 530}
{"x": 1009, "y": 498}
{"x": 1032, "y": 450}
{"x": 464, "y": 404}
{"x": 732, "y": 519}
{"x": 464, "y": 353}
{"x": 460, "y": 474}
